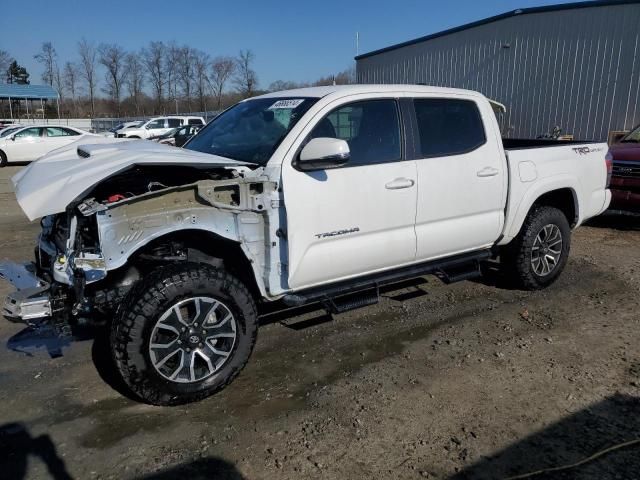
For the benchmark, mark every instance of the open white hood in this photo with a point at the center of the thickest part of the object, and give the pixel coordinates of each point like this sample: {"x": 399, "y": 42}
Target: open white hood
{"x": 48, "y": 185}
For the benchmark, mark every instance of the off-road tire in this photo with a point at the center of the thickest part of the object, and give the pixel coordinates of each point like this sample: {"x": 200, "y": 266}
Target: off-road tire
{"x": 3, "y": 159}
{"x": 144, "y": 304}
{"x": 516, "y": 257}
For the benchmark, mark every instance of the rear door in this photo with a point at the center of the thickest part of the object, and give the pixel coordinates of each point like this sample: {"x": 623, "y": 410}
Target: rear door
{"x": 461, "y": 177}
{"x": 56, "y": 137}
{"x": 27, "y": 146}
{"x": 359, "y": 218}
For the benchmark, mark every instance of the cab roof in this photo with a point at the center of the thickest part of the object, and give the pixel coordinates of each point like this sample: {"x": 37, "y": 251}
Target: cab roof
{"x": 344, "y": 90}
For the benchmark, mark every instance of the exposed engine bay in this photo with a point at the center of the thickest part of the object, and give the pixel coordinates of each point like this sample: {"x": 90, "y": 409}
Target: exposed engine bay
{"x": 88, "y": 257}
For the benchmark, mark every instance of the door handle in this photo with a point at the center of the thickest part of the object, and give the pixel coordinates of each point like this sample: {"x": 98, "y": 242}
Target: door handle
{"x": 399, "y": 183}
{"x": 488, "y": 172}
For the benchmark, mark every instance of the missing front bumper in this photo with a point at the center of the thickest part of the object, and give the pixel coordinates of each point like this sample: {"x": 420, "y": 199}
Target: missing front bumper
{"x": 30, "y": 302}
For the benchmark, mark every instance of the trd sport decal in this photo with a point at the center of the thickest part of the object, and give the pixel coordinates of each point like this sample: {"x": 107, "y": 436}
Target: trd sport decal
{"x": 337, "y": 232}
{"x": 585, "y": 150}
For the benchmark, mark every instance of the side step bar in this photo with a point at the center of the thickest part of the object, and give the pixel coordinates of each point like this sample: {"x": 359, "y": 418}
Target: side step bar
{"x": 449, "y": 270}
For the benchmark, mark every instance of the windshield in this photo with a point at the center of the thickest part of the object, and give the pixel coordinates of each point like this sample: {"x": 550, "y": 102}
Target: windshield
{"x": 8, "y": 131}
{"x": 633, "y": 136}
{"x": 170, "y": 133}
{"x": 251, "y": 130}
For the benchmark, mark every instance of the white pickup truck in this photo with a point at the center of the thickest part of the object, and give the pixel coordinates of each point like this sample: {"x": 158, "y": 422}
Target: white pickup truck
{"x": 312, "y": 195}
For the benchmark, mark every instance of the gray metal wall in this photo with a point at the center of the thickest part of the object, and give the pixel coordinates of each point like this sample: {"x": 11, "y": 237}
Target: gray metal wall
{"x": 578, "y": 69}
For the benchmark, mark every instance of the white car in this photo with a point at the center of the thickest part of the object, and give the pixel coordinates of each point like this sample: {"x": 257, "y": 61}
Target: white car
{"x": 313, "y": 195}
{"x": 28, "y": 143}
{"x": 158, "y": 126}
{"x": 123, "y": 126}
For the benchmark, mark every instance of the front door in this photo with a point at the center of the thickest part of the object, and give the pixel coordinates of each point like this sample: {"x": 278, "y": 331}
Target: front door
{"x": 28, "y": 145}
{"x": 359, "y": 218}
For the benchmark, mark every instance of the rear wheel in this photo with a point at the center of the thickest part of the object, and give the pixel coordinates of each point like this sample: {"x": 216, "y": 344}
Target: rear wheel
{"x": 183, "y": 333}
{"x": 539, "y": 253}
{"x": 3, "y": 159}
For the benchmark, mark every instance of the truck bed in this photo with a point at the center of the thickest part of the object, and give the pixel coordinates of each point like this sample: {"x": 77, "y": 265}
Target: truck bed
{"x": 522, "y": 143}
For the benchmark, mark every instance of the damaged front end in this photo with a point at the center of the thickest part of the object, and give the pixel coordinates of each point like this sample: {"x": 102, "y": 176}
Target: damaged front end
{"x": 88, "y": 257}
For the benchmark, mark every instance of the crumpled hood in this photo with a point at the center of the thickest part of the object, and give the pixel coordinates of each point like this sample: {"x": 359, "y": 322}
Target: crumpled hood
{"x": 48, "y": 185}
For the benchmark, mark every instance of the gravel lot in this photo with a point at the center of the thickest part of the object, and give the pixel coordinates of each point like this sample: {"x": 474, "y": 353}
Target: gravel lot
{"x": 471, "y": 380}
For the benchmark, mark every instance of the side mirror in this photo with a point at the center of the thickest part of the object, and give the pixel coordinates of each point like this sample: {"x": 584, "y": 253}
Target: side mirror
{"x": 13, "y": 137}
{"x": 323, "y": 153}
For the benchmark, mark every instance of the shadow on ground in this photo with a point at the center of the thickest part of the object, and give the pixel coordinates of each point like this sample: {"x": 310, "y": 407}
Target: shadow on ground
{"x": 613, "y": 421}
{"x": 617, "y": 221}
{"x": 18, "y": 448}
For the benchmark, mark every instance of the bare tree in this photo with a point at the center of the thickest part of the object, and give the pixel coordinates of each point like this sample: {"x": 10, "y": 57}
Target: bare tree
{"x": 186, "y": 70}
{"x": 246, "y": 79}
{"x": 153, "y": 59}
{"x": 134, "y": 79}
{"x": 5, "y": 61}
{"x": 222, "y": 69}
{"x": 200, "y": 67}
{"x": 47, "y": 57}
{"x": 282, "y": 85}
{"x": 88, "y": 53}
{"x": 112, "y": 57}
{"x": 70, "y": 80}
{"x": 171, "y": 65}
{"x": 58, "y": 82}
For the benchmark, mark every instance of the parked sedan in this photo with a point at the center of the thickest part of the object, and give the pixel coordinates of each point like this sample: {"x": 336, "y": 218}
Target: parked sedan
{"x": 30, "y": 143}
{"x": 625, "y": 179}
{"x": 177, "y": 136}
{"x": 122, "y": 126}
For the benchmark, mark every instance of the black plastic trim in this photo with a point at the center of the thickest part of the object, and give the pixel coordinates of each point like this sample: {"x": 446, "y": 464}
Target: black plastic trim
{"x": 383, "y": 278}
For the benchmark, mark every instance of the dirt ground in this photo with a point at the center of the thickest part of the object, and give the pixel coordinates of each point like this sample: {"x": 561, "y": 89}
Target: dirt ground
{"x": 472, "y": 380}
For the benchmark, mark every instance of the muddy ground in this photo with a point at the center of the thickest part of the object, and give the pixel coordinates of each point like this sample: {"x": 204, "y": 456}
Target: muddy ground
{"x": 471, "y": 380}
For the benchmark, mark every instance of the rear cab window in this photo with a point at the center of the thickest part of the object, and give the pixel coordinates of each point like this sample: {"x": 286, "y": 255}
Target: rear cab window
{"x": 448, "y": 126}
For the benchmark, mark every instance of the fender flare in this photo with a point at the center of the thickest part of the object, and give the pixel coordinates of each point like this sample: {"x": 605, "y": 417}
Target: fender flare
{"x": 532, "y": 195}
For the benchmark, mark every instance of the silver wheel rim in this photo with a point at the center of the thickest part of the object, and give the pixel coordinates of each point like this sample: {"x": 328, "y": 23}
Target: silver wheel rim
{"x": 546, "y": 250}
{"x": 192, "y": 340}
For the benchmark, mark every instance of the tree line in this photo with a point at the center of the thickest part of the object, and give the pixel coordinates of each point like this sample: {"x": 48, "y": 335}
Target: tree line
{"x": 106, "y": 80}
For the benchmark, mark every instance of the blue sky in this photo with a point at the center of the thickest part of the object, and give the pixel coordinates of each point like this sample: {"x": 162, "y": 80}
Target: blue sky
{"x": 292, "y": 40}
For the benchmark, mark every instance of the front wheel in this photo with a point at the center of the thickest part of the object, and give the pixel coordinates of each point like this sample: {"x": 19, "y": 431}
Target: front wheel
{"x": 537, "y": 256}
{"x": 183, "y": 333}
{"x": 3, "y": 159}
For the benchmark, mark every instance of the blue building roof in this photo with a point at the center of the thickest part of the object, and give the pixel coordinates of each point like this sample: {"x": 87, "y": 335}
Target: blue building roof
{"x": 30, "y": 92}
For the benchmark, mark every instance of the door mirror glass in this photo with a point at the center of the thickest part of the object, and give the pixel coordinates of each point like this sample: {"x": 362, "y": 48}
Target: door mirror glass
{"x": 323, "y": 153}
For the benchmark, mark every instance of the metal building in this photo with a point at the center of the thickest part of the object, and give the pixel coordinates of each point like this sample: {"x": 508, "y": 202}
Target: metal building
{"x": 576, "y": 66}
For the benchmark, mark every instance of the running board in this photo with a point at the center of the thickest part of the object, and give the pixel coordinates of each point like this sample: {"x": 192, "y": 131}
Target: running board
{"x": 459, "y": 267}
{"x": 345, "y": 303}
{"x": 458, "y": 274}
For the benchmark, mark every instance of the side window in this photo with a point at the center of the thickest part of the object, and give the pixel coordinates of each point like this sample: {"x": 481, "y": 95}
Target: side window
{"x": 70, "y": 132}
{"x": 174, "y": 122}
{"x": 29, "y": 132}
{"x": 448, "y": 126}
{"x": 156, "y": 124}
{"x": 195, "y": 121}
{"x": 371, "y": 128}
{"x": 59, "y": 132}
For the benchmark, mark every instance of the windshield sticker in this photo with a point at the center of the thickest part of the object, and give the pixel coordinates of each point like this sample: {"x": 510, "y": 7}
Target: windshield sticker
{"x": 293, "y": 103}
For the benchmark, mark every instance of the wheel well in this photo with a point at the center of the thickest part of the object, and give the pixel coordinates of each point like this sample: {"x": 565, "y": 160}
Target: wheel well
{"x": 564, "y": 200}
{"x": 204, "y": 247}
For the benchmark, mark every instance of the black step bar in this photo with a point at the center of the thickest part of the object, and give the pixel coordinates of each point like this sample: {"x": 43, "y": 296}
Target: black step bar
{"x": 456, "y": 268}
